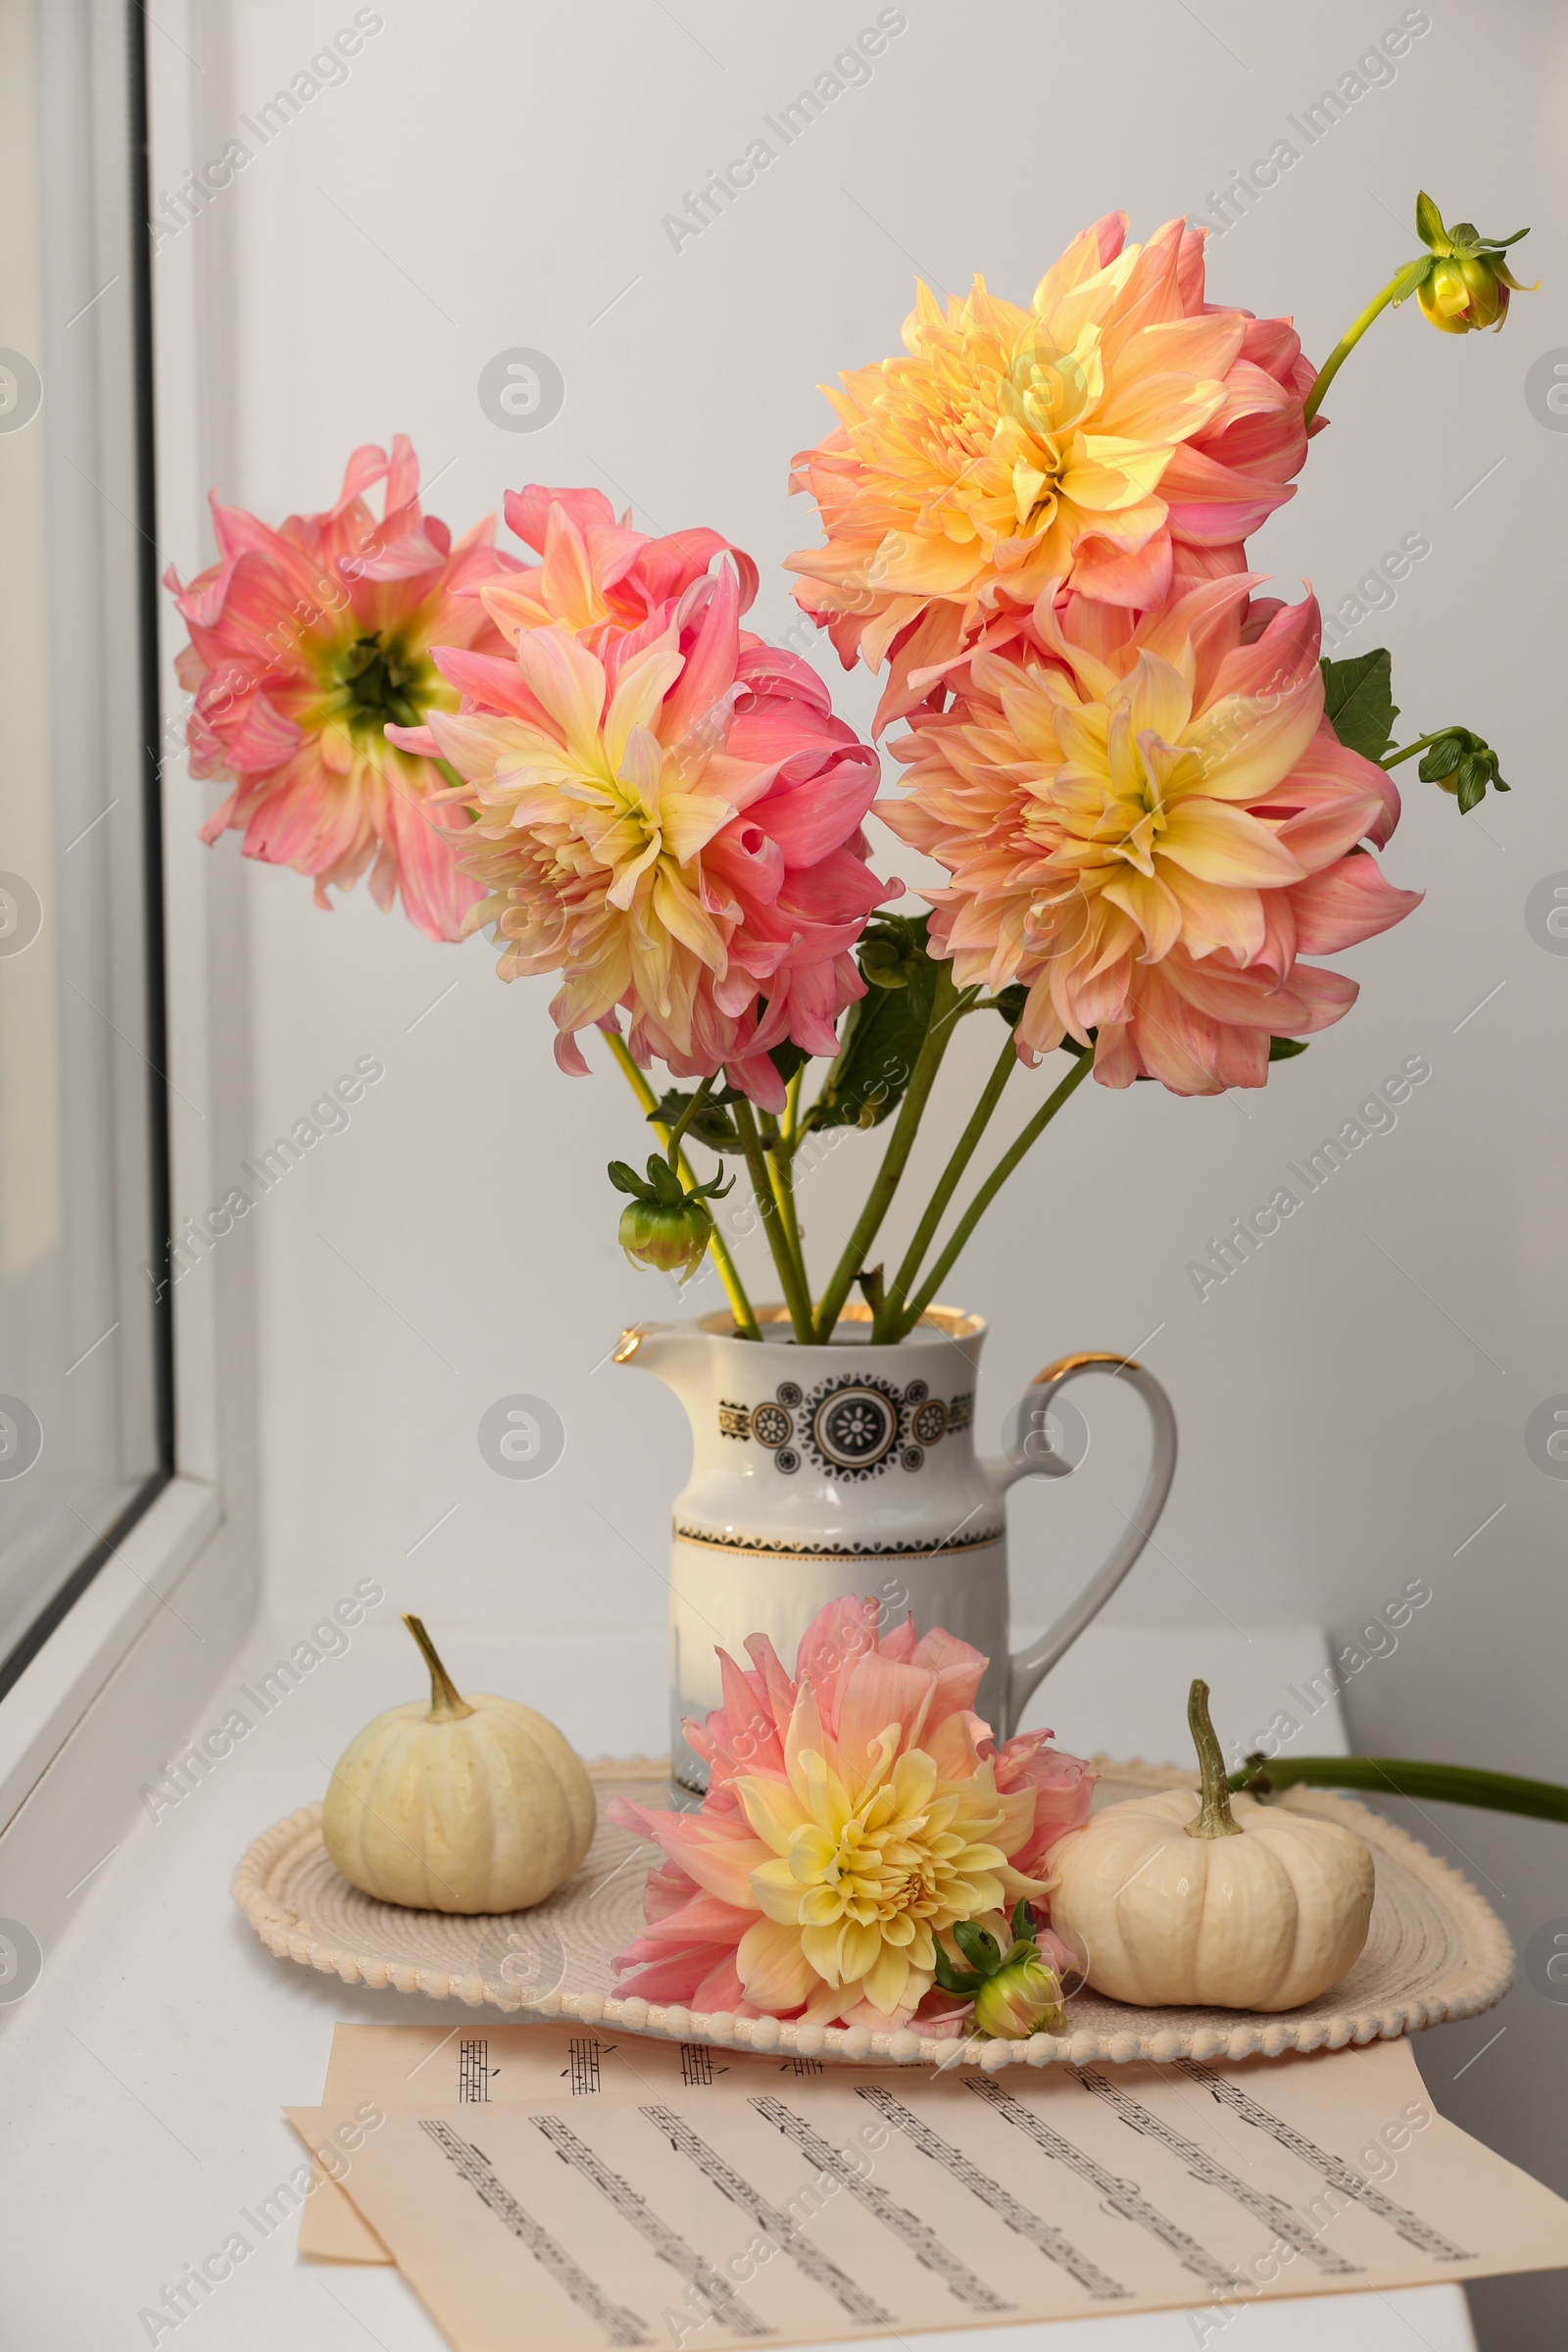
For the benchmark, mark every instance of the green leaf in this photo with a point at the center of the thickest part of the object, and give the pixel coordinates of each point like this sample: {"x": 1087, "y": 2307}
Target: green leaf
{"x": 787, "y": 1058}
{"x": 626, "y": 1180}
{"x": 1465, "y": 237}
{"x": 882, "y": 1037}
{"x": 1412, "y": 277}
{"x": 713, "y": 1124}
{"x": 1010, "y": 1002}
{"x": 1428, "y": 224}
{"x": 978, "y": 1947}
{"x": 1358, "y": 702}
{"x": 668, "y": 1187}
{"x": 1023, "y": 1921}
{"x": 1286, "y": 1049}
{"x": 960, "y": 1980}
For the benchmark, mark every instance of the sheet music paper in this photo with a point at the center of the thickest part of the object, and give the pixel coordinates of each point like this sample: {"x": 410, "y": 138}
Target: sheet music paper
{"x": 437, "y": 2066}
{"x": 623, "y": 2192}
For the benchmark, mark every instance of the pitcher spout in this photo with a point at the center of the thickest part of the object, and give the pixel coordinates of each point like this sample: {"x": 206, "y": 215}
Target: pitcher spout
{"x": 671, "y": 1349}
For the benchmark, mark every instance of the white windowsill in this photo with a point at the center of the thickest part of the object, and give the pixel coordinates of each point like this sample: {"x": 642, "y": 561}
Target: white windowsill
{"x": 49, "y": 1699}
{"x": 154, "y": 2085}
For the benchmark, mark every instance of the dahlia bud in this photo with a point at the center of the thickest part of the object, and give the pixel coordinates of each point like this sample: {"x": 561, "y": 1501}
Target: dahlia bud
{"x": 1462, "y": 281}
{"x": 1015, "y": 1993}
{"x": 663, "y": 1226}
{"x": 1463, "y": 764}
{"x": 892, "y": 951}
{"x": 1023, "y": 1998}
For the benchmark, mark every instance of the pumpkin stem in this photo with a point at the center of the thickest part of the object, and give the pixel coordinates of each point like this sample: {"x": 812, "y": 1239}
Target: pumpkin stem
{"x": 446, "y": 1703}
{"x": 1213, "y": 1818}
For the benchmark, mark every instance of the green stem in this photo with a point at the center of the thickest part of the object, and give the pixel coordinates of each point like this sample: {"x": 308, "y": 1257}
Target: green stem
{"x": 792, "y": 1106}
{"x": 795, "y": 1296}
{"x": 988, "y": 1192}
{"x": 1346, "y": 344}
{"x": 940, "y": 1029}
{"x": 740, "y": 1307}
{"x": 1398, "y": 1776}
{"x": 781, "y": 1178}
{"x": 1410, "y": 750}
{"x": 1213, "y": 1818}
{"x": 947, "y": 1184}
{"x": 446, "y": 1704}
{"x": 685, "y": 1120}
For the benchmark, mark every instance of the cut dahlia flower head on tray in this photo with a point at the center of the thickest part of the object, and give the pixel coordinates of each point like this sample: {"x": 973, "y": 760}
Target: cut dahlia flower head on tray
{"x": 860, "y": 1818}
{"x": 1155, "y": 803}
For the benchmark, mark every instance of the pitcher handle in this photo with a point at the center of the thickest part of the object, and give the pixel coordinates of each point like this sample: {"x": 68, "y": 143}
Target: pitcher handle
{"x": 1029, "y": 1455}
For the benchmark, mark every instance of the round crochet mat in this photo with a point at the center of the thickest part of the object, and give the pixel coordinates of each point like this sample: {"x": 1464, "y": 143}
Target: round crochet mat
{"x": 1435, "y": 1950}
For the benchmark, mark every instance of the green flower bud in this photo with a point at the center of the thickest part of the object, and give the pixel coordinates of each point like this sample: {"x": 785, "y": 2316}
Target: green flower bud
{"x": 1015, "y": 1993}
{"x": 1464, "y": 764}
{"x": 1465, "y": 292}
{"x": 665, "y": 1226}
{"x": 672, "y": 1241}
{"x": 1023, "y": 1998}
{"x": 892, "y": 951}
{"x": 1462, "y": 281}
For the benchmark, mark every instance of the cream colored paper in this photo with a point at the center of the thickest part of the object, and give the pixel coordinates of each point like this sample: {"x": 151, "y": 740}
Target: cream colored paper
{"x": 436, "y": 2066}
{"x": 879, "y": 2201}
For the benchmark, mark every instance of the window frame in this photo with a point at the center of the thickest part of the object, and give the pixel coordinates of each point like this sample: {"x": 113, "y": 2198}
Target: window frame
{"x": 120, "y": 1639}
{"x": 60, "y": 1604}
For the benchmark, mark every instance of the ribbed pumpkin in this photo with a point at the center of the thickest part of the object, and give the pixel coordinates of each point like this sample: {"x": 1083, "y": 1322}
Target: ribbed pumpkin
{"x": 469, "y": 1804}
{"x": 1176, "y": 1900}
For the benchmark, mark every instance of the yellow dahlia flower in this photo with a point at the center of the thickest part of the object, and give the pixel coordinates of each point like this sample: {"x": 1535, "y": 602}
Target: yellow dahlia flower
{"x": 1118, "y": 433}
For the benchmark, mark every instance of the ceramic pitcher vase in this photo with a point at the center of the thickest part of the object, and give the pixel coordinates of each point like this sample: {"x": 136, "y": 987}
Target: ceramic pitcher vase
{"x": 851, "y": 1469}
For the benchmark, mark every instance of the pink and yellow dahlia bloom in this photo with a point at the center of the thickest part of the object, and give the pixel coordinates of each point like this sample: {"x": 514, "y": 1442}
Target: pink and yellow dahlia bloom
{"x": 597, "y": 576}
{"x": 304, "y": 642}
{"x": 669, "y": 819}
{"x": 857, "y": 1811}
{"x": 1148, "y": 824}
{"x": 1117, "y": 437}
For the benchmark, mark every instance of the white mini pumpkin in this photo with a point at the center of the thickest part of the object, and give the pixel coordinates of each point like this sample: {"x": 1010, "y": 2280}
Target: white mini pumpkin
{"x": 469, "y": 1804}
{"x": 1201, "y": 1899}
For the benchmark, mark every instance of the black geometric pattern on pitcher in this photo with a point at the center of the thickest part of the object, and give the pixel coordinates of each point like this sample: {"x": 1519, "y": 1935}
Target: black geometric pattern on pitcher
{"x": 771, "y": 1426}
{"x": 929, "y": 1422}
{"x": 853, "y": 1427}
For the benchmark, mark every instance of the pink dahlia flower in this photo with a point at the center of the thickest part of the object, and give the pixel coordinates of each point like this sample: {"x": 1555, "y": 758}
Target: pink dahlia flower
{"x": 671, "y": 822}
{"x": 854, "y": 1814}
{"x": 1147, "y": 825}
{"x": 599, "y": 577}
{"x": 304, "y": 643}
{"x": 1119, "y": 435}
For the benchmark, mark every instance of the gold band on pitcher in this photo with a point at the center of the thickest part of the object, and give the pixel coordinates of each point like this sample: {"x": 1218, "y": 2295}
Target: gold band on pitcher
{"x": 952, "y": 1320}
{"x": 1075, "y": 1363}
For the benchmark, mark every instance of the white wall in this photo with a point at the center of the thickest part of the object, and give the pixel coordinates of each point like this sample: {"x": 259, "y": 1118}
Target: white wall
{"x": 1353, "y": 1403}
